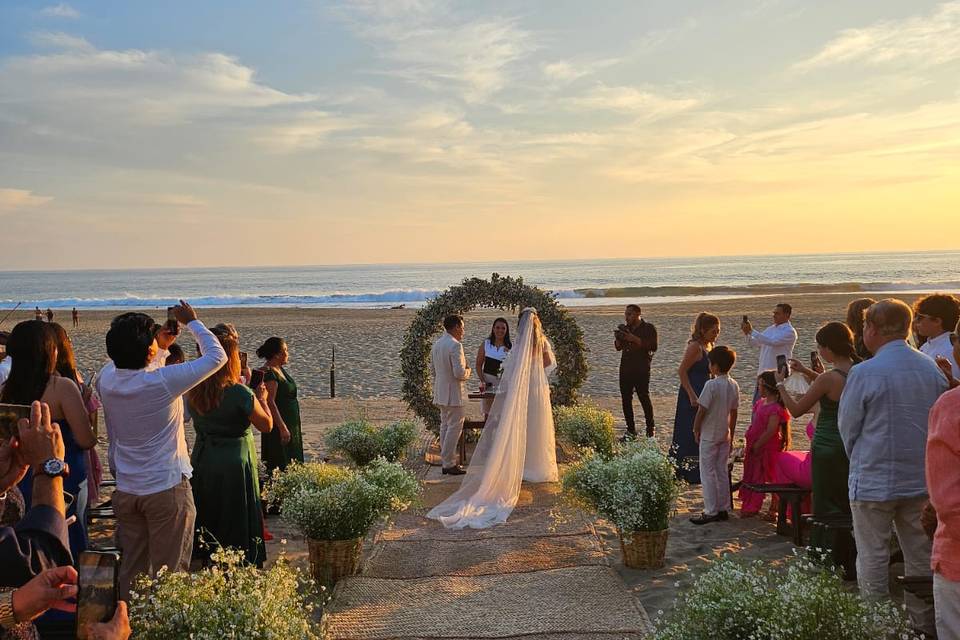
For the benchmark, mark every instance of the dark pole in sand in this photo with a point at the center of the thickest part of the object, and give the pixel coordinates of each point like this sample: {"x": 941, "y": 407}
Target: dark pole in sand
{"x": 333, "y": 373}
{"x": 10, "y": 312}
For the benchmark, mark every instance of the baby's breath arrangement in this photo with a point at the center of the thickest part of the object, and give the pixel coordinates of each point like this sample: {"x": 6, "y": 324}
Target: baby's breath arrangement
{"x": 299, "y": 475}
{"x": 586, "y": 426}
{"x": 800, "y": 600}
{"x": 362, "y": 442}
{"x": 229, "y": 601}
{"x": 635, "y": 490}
{"x": 346, "y": 508}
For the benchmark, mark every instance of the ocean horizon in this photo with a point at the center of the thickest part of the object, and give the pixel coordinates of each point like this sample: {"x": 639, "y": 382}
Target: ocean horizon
{"x": 574, "y": 282}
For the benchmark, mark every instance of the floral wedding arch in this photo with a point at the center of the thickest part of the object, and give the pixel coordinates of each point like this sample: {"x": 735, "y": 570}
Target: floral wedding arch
{"x": 499, "y": 292}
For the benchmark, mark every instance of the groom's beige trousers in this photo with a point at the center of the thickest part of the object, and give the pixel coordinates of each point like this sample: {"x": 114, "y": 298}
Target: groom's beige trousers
{"x": 451, "y": 426}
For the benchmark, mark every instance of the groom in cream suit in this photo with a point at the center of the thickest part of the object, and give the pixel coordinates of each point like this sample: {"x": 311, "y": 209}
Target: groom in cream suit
{"x": 449, "y": 369}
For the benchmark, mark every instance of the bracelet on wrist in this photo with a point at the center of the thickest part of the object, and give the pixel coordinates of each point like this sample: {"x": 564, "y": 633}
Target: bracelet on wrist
{"x": 8, "y": 619}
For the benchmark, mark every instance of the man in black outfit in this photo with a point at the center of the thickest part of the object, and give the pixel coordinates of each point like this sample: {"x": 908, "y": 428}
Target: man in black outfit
{"x": 636, "y": 341}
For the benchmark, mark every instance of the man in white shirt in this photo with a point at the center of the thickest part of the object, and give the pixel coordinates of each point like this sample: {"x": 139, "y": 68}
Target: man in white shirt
{"x": 776, "y": 340}
{"x": 5, "y": 362}
{"x": 935, "y": 317}
{"x": 142, "y": 407}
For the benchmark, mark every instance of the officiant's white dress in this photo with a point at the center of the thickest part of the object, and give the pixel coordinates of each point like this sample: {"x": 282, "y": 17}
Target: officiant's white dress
{"x": 517, "y": 443}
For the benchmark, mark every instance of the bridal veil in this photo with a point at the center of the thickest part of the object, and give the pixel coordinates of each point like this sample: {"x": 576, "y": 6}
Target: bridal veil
{"x": 517, "y": 442}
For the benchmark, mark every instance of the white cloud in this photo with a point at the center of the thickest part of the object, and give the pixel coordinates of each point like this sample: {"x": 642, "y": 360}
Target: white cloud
{"x": 643, "y": 102}
{"x": 11, "y": 199}
{"x": 429, "y": 45}
{"x": 916, "y": 41}
{"x": 60, "y": 40}
{"x": 62, "y": 10}
{"x": 308, "y": 130}
{"x": 564, "y": 71}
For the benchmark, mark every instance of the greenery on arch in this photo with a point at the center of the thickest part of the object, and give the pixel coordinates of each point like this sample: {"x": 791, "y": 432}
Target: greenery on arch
{"x": 499, "y": 292}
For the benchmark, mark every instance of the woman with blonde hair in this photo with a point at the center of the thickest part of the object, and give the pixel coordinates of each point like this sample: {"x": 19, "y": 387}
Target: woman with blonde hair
{"x": 694, "y": 371}
{"x": 226, "y": 487}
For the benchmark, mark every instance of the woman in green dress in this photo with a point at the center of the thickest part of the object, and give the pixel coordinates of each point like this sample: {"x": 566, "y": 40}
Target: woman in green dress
{"x": 285, "y": 443}
{"x": 830, "y": 466}
{"x": 226, "y": 488}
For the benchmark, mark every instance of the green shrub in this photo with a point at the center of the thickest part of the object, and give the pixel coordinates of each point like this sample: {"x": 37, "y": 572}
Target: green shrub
{"x": 635, "y": 490}
{"x": 362, "y": 442}
{"x": 347, "y": 507}
{"x": 229, "y": 601}
{"x": 586, "y": 426}
{"x": 801, "y": 600}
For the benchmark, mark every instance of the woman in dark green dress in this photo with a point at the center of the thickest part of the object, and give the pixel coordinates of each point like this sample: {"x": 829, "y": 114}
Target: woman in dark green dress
{"x": 226, "y": 488}
{"x": 285, "y": 443}
{"x": 830, "y": 466}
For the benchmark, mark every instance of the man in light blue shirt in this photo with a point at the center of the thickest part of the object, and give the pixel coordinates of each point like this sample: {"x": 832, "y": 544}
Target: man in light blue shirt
{"x": 883, "y": 422}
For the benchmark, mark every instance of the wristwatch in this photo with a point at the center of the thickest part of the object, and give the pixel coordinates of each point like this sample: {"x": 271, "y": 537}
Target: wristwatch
{"x": 54, "y": 468}
{"x": 8, "y": 619}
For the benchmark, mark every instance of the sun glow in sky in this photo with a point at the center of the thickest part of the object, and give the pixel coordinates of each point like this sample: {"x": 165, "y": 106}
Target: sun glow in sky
{"x": 361, "y": 131}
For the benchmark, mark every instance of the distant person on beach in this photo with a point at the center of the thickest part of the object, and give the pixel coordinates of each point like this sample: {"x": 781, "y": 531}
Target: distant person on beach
{"x": 449, "y": 370}
{"x": 49, "y": 314}
{"x": 936, "y": 317}
{"x": 855, "y": 311}
{"x": 829, "y": 465}
{"x": 76, "y": 318}
{"x": 37, "y": 314}
{"x": 490, "y": 357}
{"x": 776, "y": 340}
{"x": 636, "y": 340}
{"x": 143, "y": 408}
{"x": 713, "y": 430}
{"x": 284, "y": 443}
{"x": 694, "y": 371}
{"x": 883, "y": 423}
{"x": 5, "y": 361}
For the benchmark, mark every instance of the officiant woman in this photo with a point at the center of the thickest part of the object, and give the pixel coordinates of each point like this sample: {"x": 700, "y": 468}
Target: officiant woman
{"x": 490, "y": 358}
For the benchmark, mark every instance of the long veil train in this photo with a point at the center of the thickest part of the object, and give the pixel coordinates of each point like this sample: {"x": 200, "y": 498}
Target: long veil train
{"x": 517, "y": 442}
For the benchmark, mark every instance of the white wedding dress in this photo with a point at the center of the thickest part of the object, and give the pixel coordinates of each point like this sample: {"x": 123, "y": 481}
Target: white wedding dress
{"x": 517, "y": 442}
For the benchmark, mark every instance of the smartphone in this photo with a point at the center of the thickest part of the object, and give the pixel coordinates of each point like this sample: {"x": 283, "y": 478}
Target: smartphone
{"x": 172, "y": 325}
{"x": 97, "y": 588}
{"x": 815, "y": 360}
{"x": 10, "y": 415}
{"x": 256, "y": 378}
{"x": 745, "y": 320}
{"x": 243, "y": 359}
{"x": 953, "y": 338}
{"x": 782, "y": 366}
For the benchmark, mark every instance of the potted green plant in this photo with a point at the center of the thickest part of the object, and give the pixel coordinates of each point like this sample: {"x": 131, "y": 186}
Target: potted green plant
{"x": 335, "y": 510}
{"x": 362, "y": 442}
{"x": 586, "y": 427}
{"x": 231, "y": 599}
{"x": 635, "y": 490}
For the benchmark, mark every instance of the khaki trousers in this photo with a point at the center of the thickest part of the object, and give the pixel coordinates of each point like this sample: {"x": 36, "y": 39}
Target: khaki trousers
{"x": 946, "y": 596}
{"x": 714, "y": 480}
{"x": 873, "y": 523}
{"x": 451, "y": 426}
{"x": 154, "y": 531}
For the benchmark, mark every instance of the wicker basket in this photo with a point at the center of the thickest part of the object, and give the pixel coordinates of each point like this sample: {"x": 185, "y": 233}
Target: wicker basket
{"x": 644, "y": 549}
{"x": 331, "y": 560}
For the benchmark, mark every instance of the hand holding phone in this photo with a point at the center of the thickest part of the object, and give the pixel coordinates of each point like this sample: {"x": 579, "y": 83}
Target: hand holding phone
{"x": 782, "y": 366}
{"x": 256, "y": 378}
{"x": 816, "y": 363}
{"x": 98, "y": 589}
{"x": 243, "y": 359}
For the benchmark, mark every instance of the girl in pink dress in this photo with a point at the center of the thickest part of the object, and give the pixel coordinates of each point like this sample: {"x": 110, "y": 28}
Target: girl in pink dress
{"x": 768, "y": 435}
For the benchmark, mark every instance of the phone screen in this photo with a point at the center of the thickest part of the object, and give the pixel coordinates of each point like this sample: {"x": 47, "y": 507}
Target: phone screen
{"x": 10, "y": 414}
{"x": 782, "y": 366}
{"x": 256, "y": 378}
{"x": 97, "y": 582}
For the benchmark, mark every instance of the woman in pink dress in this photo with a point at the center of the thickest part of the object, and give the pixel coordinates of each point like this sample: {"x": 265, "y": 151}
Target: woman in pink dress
{"x": 768, "y": 435}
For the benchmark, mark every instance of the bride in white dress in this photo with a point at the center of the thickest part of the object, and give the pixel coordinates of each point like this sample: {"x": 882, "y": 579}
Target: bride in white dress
{"x": 517, "y": 442}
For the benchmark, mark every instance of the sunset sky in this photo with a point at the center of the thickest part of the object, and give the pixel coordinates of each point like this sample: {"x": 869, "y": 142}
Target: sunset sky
{"x": 264, "y": 133}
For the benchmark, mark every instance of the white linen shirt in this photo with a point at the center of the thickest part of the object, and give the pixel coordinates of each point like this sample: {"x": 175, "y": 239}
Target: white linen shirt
{"x": 776, "y": 340}
{"x": 143, "y": 411}
{"x": 5, "y": 365}
{"x": 940, "y": 346}
{"x": 719, "y": 397}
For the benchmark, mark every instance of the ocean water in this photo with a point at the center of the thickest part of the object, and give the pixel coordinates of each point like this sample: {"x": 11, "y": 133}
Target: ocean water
{"x": 581, "y": 282}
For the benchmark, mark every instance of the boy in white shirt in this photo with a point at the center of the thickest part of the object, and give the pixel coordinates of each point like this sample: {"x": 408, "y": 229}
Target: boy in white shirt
{"x": 713, "y": 429}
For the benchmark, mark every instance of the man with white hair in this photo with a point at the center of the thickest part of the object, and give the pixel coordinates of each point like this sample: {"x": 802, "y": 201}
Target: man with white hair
{"x": 883, "y": 422}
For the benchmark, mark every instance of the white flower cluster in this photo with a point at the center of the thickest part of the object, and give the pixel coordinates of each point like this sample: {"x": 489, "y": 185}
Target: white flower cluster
{"x": 798, "y": 600}
{"x": 362, "y": 442}
{"x": 230, "y": 601}
{"x": 586, "y": 426}
{"x": 344, "y": 506}
{"x": 635, "y": 489}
